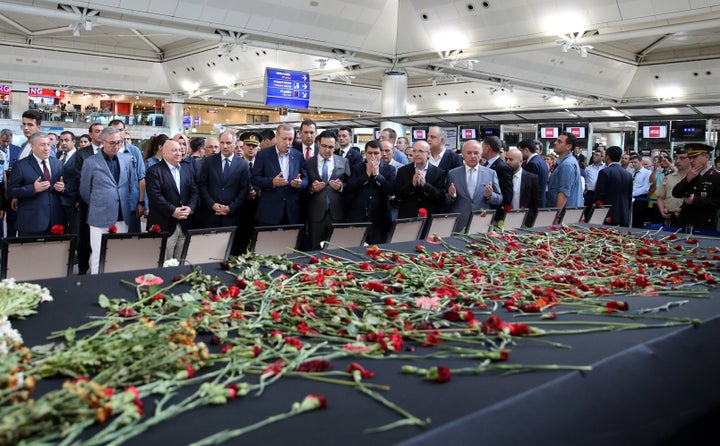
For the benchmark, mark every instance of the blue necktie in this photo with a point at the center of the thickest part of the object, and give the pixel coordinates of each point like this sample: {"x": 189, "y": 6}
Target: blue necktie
{"x": 325, "y": 171}
{"x": 226, "y": 169}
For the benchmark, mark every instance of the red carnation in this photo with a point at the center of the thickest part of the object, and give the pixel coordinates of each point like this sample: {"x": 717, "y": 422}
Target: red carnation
{"x": 439, "y": 374}
{"x": 154, "y": 228}
{"x": 112, "y": 229}
{"x": 422, "y": 212}
{"x": 57, "y": 230}
{"x": 598, "y": 203}
{"x": 364, "y": 373}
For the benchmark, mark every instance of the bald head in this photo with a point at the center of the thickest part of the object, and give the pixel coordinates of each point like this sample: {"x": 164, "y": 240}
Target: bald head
{"x": 514, "y": 159}
{"x": 421, "y": 154}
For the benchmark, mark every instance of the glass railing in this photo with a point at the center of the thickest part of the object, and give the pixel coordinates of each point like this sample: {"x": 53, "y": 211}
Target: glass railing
{"x": 89, "y": 117}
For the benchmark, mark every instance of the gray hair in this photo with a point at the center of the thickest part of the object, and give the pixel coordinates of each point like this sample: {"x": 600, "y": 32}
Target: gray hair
{"x": 32, "y": 137}
{"x": 107, "y": 131}
{"x": 6, "y": 132}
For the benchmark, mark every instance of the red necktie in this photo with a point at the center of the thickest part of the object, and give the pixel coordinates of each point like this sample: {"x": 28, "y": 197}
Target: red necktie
{"x": 308, "y": 153}
{"x": 46, "y": 171}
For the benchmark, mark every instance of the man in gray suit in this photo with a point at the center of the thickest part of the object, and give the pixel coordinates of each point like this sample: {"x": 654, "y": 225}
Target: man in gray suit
{"x": 328, "y": 175}
{"x": 109, "y": 185}
{"x": 472, "y": 186}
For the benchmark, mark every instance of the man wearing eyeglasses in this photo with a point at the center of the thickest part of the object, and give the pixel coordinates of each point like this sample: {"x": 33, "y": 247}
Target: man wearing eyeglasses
{"x": 109, "y": 185}
{"x": 327, "y": 176}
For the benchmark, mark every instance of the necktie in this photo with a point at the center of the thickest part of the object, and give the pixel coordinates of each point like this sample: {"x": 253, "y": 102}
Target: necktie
{"x": 62, "y": 157}
{"x": 471, "y": 182}
{"x": 325, "y": 171}
{"x": 226, "y": 169}
{"x": 46, "y": 171}
{"x": 308, "y": 152}
{"x": 250, "y": 165}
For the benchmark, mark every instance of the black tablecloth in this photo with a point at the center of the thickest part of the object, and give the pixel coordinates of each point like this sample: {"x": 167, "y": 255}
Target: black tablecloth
{"x": 649, "y": 386}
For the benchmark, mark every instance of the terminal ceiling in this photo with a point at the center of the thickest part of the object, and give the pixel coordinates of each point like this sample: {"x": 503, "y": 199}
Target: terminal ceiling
{"x": 605, "y": 58}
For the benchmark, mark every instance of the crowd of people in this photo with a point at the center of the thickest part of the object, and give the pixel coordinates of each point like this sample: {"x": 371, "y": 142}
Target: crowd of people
{"x": 106, "y": 184}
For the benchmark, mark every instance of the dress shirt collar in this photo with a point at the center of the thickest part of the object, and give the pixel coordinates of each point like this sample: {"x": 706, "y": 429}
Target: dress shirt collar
{"x": 492, "y": 160}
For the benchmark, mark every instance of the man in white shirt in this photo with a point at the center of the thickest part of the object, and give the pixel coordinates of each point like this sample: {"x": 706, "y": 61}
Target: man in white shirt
{"x": 591, "y": 174}
{"x": 641, "y": 186}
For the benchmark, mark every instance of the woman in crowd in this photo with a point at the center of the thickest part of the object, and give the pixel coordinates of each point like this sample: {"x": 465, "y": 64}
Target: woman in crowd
{"x": 153, "y": 154}
{"x": 85, "y": 141}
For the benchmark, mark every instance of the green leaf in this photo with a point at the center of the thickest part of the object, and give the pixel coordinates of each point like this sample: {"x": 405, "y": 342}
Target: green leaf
{"x": 186, "y": 311}
{"x": 103, "y": 301}
{"x": 352, "y": 329}
{"x": 70, "y": 333}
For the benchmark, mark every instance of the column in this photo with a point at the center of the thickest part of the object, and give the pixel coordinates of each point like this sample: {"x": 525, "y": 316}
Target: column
{"x": 174, "y": 115}
{"x": 394, "y": 99}
{"x": 18, "y": 99}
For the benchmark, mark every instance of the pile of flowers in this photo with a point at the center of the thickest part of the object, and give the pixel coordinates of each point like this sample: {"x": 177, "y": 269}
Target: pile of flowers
{"x": 474, "y": 299}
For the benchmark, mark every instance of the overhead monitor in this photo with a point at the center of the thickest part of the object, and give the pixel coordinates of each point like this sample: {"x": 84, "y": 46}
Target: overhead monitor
{"x": 490, "y": 131}
{"x": 468, "y": 132}
{"x": 286, "y": 88}
{"x": 549, "y": 131}
{"x": 580, "y": 131}
{"x": 689, "y": 130}
{"x": 419, "y": 133}
{"x": 654, "y": 130}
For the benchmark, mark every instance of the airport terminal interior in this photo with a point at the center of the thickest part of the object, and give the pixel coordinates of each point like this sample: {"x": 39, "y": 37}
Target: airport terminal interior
{"x": 165, "y": 66}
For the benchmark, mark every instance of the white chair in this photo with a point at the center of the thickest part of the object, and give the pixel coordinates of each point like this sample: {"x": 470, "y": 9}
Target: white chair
{"x": 406, "y": 230}
{"x": 599, "y": 214}
{"x": 573, "y": 215}
{"x": 276, "y": 240}
{"x": 131, "y": 251}
{"x": 514, "y": 219}
{"x": 546, "y": 217}
{"x": 207, "y": 245}
{"x": 347, "y": 235}
{"x": 35, "y": 258}
{"x": 442, "y": 225}
{"x": 480, "y": 221}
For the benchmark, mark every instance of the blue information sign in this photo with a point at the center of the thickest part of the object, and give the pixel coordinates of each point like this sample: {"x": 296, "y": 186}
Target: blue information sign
{"x": 287, "y": 88}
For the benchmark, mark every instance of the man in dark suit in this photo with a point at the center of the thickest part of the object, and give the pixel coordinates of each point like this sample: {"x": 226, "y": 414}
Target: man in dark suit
{"x": 66, "y": 153}
{"x": 420, "y": 184}
{"x": 223, "y": 185}
{"x": 534, "y": 163}
{"x": 439, "y": 155}
{"x": 10, "y": 154}
{"x": 354, "y": 158}
{"x": 327, "y": 178}
{"x": 307, "y": 146}
{"x": 614, "y": 187}
{"x": 372, "y": 183}
{"x": 280, "y": 175}
{"x": 491, "y": 146}
{"x": 526, "y": 193}
{"x": 173, "y": 196}
{"x": 700, "y": 190}
{"x": 36, "y": 181}
{"x": 246, "y": 221}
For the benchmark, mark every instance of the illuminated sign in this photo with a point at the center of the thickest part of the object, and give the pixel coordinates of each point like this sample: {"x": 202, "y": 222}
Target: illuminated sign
{"x": 287, "y": 88}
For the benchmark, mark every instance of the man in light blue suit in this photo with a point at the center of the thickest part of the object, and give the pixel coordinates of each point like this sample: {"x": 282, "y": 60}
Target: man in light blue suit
{"x": 472, "y": 186}
{"x": 109, "y": 185}
{"x": 280, "y": 175}
{"x": 36, "y": 183}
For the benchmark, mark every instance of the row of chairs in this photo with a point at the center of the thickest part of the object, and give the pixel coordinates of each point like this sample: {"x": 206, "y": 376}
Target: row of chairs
{"x": 32, "y": 258}
{"x": 277, "y": 240}
{"x": 49, "y": 257}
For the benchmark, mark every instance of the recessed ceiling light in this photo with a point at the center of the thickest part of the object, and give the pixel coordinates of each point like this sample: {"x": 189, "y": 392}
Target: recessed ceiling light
{"x": 314, "y": 3}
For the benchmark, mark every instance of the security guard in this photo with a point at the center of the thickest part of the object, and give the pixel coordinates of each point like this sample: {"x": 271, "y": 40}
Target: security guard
{"x": 700, "y": 189}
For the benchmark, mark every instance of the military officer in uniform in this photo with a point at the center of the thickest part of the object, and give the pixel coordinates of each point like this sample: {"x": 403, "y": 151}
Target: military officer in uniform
{"x": 700, "y": 189}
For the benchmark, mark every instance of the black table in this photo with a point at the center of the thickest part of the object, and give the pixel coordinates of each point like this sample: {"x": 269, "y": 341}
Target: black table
{"x": 649, "y": 386}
